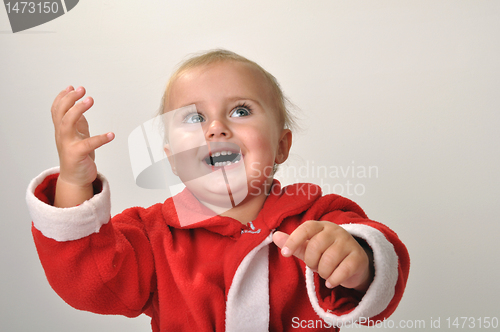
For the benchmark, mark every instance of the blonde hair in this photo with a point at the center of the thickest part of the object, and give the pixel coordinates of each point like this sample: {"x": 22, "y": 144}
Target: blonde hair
{"x": 283, "y": 105}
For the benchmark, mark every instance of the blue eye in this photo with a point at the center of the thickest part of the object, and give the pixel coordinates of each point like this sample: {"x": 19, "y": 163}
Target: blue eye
{"x": 240, "y": 111}
{"x": 194, "y": 118}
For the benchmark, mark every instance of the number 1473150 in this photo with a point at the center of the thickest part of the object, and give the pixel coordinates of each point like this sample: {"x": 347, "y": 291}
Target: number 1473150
{"x": 472, "y": 322}
{"x": 23, "y": 7}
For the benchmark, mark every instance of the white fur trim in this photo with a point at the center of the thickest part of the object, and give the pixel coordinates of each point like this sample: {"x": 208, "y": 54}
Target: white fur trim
{"x": 382, "y": 288}
{"x": 247, "y": 307}
{"x": 65, "y": 224}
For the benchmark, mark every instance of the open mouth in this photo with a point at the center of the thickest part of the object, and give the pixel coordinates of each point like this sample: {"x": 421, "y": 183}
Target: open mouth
{"x": 222, "y": 154}
{"x": 223, "y": 158}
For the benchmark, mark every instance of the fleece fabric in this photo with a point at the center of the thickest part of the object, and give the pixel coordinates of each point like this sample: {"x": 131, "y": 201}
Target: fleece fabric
{"x": 215, "y": 275}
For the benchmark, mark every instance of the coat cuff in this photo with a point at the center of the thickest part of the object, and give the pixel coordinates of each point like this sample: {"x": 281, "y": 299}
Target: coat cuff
{"x": 382, "y": 289}
{"x": 66, "y": 224}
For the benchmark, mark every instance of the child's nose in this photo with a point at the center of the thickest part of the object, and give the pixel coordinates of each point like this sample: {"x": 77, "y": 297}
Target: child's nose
{"x": 217, "y": 129}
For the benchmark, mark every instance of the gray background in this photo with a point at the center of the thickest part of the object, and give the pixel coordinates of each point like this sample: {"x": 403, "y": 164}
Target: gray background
{"x": 410, "y": 87}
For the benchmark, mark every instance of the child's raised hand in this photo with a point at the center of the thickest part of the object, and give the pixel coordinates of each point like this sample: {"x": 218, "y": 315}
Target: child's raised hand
{"x": 331, "y": 251}
{"x": 75, "y": 147}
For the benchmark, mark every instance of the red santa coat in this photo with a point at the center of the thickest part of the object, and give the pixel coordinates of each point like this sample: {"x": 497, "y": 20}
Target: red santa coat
{"x": 214, "y": 275}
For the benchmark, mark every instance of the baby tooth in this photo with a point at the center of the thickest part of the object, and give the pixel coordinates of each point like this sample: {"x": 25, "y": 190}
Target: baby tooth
{"x": 223, "y": 153}
{"x": 229, "y": 153}
{"x": 217, "y": 154}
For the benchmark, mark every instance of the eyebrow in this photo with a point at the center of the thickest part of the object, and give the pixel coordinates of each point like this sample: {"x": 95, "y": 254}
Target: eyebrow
{"x": 243, "y": 98}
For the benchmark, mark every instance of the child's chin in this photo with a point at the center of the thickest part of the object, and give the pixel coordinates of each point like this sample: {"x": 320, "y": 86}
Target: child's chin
{"x": 219, "y": 195}
{"x": 218, "y": 202}
{"x": 237, "y": 189}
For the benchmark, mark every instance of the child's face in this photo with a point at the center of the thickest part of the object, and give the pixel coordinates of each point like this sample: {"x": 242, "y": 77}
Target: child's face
{"x": 226, "y": 112}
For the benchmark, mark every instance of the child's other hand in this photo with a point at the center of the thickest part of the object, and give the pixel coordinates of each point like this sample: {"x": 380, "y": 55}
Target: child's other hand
{"x": 331, "y": 251}
{"x": 74, "y": 144}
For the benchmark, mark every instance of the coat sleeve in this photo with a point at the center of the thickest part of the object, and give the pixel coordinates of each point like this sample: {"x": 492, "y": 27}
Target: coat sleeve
{"x": 341, "y": 306}
{"x": 93, "y": 263}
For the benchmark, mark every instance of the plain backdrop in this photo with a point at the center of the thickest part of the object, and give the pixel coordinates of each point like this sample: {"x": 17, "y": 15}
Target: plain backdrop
{"x": 408, "y": 88}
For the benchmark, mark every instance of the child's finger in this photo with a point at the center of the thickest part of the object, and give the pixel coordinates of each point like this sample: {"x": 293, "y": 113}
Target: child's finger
{"x": 346, "y": 273}
{"x": 320, "y": 244}
{"x": 299, "y": 237}
{"x": 82, "y": 126}
{"x": 97, "y": 141}
{"x": 279, "y": 238}
{"x": 74, "y": 114}
{"x": 330, "y": 260}
{"x": 65, "y": 103}
{"x": 57, "y": 100}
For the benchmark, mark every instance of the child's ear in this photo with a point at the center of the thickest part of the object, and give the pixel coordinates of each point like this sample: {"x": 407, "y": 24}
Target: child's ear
{"x": 284, "y": 145}
{"x": 170, "y": 157}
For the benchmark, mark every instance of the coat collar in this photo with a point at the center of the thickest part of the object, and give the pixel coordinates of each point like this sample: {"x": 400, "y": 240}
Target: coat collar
{"x": 186, "y": 212}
